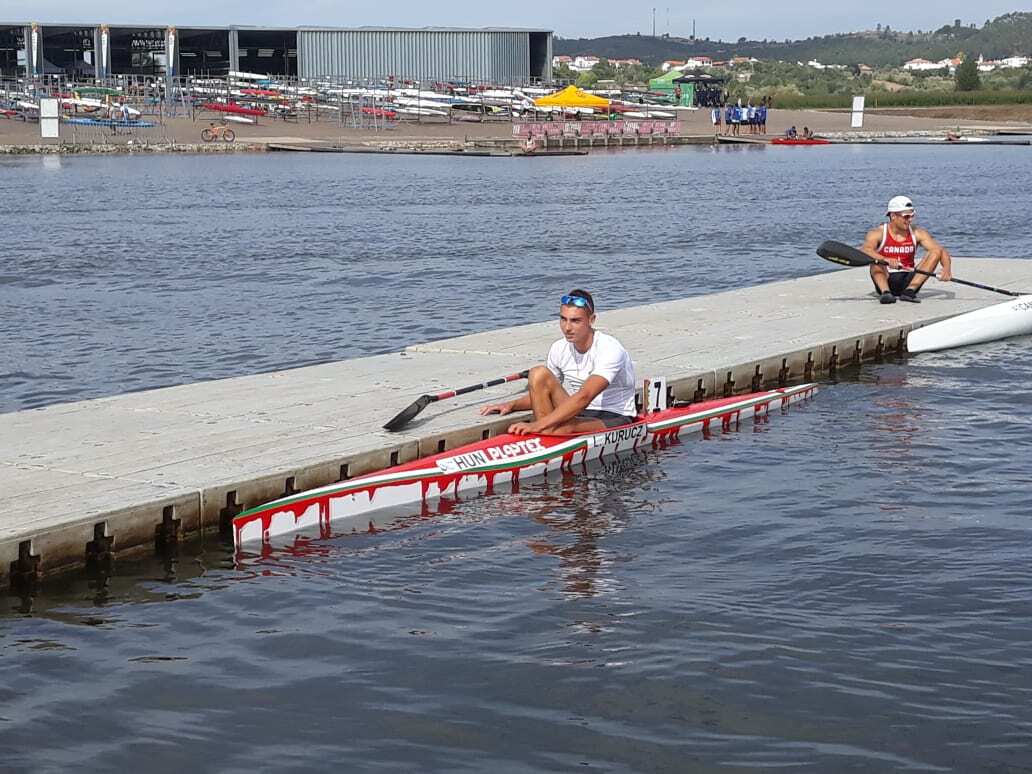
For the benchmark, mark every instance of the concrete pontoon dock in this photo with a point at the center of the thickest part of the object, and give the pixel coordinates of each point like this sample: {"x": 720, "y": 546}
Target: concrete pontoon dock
{"x": 84, "y": 481}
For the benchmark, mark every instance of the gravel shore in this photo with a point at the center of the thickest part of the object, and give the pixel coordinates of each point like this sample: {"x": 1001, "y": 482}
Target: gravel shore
{"x": 183, "y": 134}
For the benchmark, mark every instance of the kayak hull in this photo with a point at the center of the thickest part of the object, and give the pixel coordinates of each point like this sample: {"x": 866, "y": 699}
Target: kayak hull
{"x": 798, "y": 141}
{"x": 486, "y": 465}
{"x": 999, "y": 321}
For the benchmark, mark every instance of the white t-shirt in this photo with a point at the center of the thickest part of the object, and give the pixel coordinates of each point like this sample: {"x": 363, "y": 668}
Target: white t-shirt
{"x": 606, "y": 358}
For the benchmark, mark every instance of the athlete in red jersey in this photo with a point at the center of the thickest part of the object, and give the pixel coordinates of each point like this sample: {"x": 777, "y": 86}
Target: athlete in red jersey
{"x": 896, "y": 243}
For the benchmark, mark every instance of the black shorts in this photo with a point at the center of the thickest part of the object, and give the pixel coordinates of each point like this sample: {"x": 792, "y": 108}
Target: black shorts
{"x": 609, "y": 418}
{"x": 898, "y": 281}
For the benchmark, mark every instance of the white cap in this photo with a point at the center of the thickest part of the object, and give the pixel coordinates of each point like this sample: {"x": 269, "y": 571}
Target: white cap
{"x": 899, "y": 204}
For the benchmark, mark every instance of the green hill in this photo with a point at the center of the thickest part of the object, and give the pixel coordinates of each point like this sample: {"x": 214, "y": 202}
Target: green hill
{"x": 1007, "y": 35}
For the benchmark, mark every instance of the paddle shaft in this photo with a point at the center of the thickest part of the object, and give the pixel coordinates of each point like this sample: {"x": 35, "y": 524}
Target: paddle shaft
{"x": 410, "y": 411}
{"x": 483, "y": 385}
{"x": 843, "y": 254}
{"x": 959, "y": 281}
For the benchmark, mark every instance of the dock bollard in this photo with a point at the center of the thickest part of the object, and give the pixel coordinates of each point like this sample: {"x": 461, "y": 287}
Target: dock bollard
{"x": 232, "y": 509}
{"x": 166, "y": 534}
{"x": 99, "y": 551}
{"x": 25, "y": 569}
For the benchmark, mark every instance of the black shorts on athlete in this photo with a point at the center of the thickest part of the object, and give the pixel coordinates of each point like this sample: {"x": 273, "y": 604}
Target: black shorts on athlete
{"x": 609, "y": 418}
{"x": 898, "y": 282}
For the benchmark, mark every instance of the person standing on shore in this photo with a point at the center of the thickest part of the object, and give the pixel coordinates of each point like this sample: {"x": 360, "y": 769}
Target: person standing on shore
{"x": 895, "y": 243}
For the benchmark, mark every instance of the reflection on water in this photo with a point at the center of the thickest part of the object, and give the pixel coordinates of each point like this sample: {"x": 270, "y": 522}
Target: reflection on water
{"x": 786, "y": 595}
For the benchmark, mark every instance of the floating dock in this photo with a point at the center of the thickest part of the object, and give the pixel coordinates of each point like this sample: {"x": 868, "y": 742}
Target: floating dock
{"x": 85, "y": 481}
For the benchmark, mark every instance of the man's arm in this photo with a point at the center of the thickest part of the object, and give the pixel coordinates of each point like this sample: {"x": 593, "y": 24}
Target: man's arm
{"x": 929, "y": 243}
{"x": 521, "y": 403}
{"x": 870, "y": 246}
{"x": 562, "y": 414}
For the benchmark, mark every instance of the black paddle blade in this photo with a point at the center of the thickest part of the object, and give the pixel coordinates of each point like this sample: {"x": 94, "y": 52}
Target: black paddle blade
{"x": 409, "y": 413}
{"x": 836, "y": 252}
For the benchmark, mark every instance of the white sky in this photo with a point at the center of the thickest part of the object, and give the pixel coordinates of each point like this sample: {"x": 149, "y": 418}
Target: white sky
{"x": 754, "y": 19}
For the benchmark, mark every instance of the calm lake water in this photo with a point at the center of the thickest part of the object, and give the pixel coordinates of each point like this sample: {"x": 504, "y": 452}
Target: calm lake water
{"x": 846, "y": 587}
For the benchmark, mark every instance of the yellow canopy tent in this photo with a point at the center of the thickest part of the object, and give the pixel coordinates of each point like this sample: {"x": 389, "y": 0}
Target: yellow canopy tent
{"x": 571, "y": 96}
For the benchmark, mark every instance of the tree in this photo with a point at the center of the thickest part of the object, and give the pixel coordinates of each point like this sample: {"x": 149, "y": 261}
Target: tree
{"x": 967, "y": 76}
{"x": 603, "y": 70}
{"x": 587, "y": 80}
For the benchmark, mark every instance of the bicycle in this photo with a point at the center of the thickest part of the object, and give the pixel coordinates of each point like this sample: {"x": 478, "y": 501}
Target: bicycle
{"x": 216, "y": 132}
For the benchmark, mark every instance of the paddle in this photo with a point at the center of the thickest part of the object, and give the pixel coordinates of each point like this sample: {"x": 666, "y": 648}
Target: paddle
{"x": 836, "y": 252}
{"x": 423, "y": 401}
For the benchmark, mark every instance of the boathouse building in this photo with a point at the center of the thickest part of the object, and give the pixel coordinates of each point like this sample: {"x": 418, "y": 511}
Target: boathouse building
{"x": 495, "y": 55}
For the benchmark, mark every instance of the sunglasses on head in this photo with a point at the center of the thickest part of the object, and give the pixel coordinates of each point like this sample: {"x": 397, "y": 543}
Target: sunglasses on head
{"x": 580, "y": 301}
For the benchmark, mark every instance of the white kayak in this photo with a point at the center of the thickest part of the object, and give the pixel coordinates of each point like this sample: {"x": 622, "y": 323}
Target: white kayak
{"x": 999, "y": 321}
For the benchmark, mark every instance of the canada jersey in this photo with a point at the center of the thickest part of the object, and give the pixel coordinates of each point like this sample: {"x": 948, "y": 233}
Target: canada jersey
{"x": 902, "y": 250}
{"x": 606, "y": 358}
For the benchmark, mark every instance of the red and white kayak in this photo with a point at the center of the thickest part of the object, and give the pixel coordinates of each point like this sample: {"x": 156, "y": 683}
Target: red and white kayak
{"x": 504, "y": 459}
{"x": 799, "y": 141}
{"x": 232, "y": 107}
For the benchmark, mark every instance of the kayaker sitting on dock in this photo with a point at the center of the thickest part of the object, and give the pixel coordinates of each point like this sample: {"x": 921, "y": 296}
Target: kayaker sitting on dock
{"x": 895, "y": 243}
{"x": 587, "y": 383}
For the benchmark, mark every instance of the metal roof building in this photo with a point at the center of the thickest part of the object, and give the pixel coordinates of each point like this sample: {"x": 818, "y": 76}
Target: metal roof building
{"x": 495, "y": 55}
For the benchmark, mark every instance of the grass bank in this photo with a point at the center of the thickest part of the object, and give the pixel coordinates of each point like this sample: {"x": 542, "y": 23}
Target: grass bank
{"x": 881, "y": 99}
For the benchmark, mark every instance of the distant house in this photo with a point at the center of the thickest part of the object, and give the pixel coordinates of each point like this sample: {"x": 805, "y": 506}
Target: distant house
{"x": 865, "y": 69}
{"x": 624, "y": 62}
{"x": 559, "y": 61}
{"x": 695, "y": 62}
{"x": 671, "y": 64}
{"x": 815, "y": 64}
{"x": 988, "y": 65}
{"x": 915, "y": 65}
{"x": 584, "y": 63}
{"x": 742, "y": 60}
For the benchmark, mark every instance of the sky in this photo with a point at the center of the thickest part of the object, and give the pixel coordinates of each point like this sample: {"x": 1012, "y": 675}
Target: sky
{"x": 730, "y": 20}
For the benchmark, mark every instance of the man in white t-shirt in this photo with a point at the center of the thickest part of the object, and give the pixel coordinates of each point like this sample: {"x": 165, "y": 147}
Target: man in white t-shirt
{"x": 587, "y": 383}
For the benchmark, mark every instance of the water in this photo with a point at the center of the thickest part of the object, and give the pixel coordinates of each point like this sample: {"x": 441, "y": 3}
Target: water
{"x": 130, "y": 273}
{"x": 844, "y": 587}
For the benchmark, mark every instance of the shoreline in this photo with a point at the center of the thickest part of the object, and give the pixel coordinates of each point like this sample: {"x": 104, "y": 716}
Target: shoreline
{"x": 182, "y": 135}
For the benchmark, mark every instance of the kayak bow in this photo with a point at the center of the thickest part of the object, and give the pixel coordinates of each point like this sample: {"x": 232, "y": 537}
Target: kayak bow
{"x": 999, "y": 321}
{"x": 485, "y": 464}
